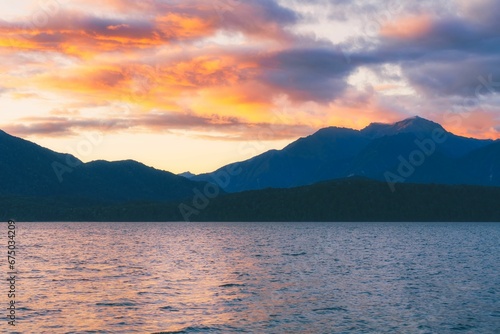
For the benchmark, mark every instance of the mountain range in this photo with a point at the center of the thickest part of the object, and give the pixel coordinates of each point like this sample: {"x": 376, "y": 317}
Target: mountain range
{"x": 36, "y": 180}
{"x": 414, "y": 150}
{"x": 27, "y": 169}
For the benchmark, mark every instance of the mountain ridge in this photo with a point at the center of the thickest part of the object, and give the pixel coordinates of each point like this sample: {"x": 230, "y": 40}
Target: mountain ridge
{"x": 374, "y": 152}
{"x": 334, "y": 174}
{"x": 379, "y": 152}
{"x": 28, "y": 169}
{"x": 415, "y": 124}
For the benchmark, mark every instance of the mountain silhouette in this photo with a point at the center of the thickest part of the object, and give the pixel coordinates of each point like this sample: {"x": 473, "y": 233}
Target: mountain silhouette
{"x": 27, "y": 169}
{"x": 427, "y": 174}
{"x": 321, "y": 156}
{"x": 412, "y": 150}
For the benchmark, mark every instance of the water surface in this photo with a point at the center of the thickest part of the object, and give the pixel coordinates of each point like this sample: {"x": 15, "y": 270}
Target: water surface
{"x": 258, "y": 278}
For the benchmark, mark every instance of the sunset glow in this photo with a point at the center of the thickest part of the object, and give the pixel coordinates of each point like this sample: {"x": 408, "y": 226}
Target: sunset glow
{"x": 184, "y": 85}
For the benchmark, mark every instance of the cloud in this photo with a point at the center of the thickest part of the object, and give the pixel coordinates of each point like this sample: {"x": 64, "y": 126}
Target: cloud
{"x": 259, "y": 18}
{"x": 53, "y": 126}
{"x": 441, "y": 54}
{"x": 310, "y": 74}
{"x": 81, "y": 34}
{"x": 3, "y": 90}
{"x": 482, "y": 13}
{"x": 407, "y": 28}
{"x": 230, "y": 128}
{"x": 468, "y": 76}
{"x": 233, "y": 59}
{"x": 436, "y": 34}
{"x": 86, "y": 33}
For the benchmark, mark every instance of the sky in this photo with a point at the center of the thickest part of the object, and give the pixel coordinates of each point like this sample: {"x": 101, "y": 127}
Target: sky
{"x": 193, "y": 85}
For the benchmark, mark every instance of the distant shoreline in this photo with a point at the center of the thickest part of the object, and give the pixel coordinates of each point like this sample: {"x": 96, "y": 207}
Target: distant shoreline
{"x": 344, "y": 200}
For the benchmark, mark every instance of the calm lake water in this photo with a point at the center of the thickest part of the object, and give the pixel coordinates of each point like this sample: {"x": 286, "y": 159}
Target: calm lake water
{"x": 258, "y": 278}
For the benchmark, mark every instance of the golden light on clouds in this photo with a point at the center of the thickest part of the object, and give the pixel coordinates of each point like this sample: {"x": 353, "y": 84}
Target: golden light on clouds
{"x": 230, "y": 68}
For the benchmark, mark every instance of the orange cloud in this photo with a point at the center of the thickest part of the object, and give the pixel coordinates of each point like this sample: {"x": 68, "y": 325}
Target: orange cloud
{"x": 180, "y": 27}
{"x": 201, "y": 83}
{"x": 86, "y": 33}
{"x": 79, "y": 34}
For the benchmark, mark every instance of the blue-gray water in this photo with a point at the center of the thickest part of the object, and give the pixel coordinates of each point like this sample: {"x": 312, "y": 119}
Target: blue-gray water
{"x": 258, "y": 278}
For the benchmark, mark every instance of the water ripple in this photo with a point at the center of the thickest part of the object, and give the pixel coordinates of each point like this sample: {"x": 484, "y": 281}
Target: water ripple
{"x": 259, "y": 278}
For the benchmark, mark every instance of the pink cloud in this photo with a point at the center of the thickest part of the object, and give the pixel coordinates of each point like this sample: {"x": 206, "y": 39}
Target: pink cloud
{"x": 407, "y": 27}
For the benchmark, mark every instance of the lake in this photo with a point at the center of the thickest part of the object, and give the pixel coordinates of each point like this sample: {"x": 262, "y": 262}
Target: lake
{"x": 258, "y": 278}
